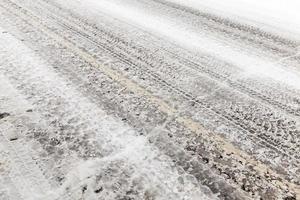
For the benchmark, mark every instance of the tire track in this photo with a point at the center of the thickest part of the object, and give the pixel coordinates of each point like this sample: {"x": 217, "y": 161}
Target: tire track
{"x": 70, "y": 45}
{"x": 129, "y": 165}
{"x": 23, "y": 172}
{"x": 272, "y": 43}
{"x": 218, "y": 76}
{"x": 231, "y": 116}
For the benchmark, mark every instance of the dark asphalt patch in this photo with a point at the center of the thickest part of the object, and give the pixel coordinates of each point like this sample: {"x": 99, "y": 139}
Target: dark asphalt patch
{"x": 3, "y": 115}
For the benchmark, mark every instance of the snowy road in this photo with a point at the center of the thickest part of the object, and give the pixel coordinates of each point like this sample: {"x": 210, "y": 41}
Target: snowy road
{"x": 145, "y": 99}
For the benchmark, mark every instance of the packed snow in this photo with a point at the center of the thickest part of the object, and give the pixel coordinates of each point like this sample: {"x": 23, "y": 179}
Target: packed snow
{"x": 181, "y": 32}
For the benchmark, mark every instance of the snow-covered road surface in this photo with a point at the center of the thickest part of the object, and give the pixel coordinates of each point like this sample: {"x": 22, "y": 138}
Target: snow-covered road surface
{"x": 139, "y": 99}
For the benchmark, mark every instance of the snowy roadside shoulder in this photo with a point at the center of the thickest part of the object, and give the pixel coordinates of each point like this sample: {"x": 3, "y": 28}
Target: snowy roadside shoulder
{"x": 278, "y": 16}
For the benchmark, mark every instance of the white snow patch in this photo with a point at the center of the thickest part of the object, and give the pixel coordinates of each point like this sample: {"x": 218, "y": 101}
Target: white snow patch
{"x": 186, "y": 36}
{"x": 272, "y": 15}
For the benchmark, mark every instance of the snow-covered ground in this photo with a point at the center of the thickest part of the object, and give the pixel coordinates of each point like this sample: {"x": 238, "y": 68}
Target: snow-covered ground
{"x": 126, "y": 155}
{"x": 149, "y": 100}
{"x": 189, "y": 36}
{"x": 275, "y": 15}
